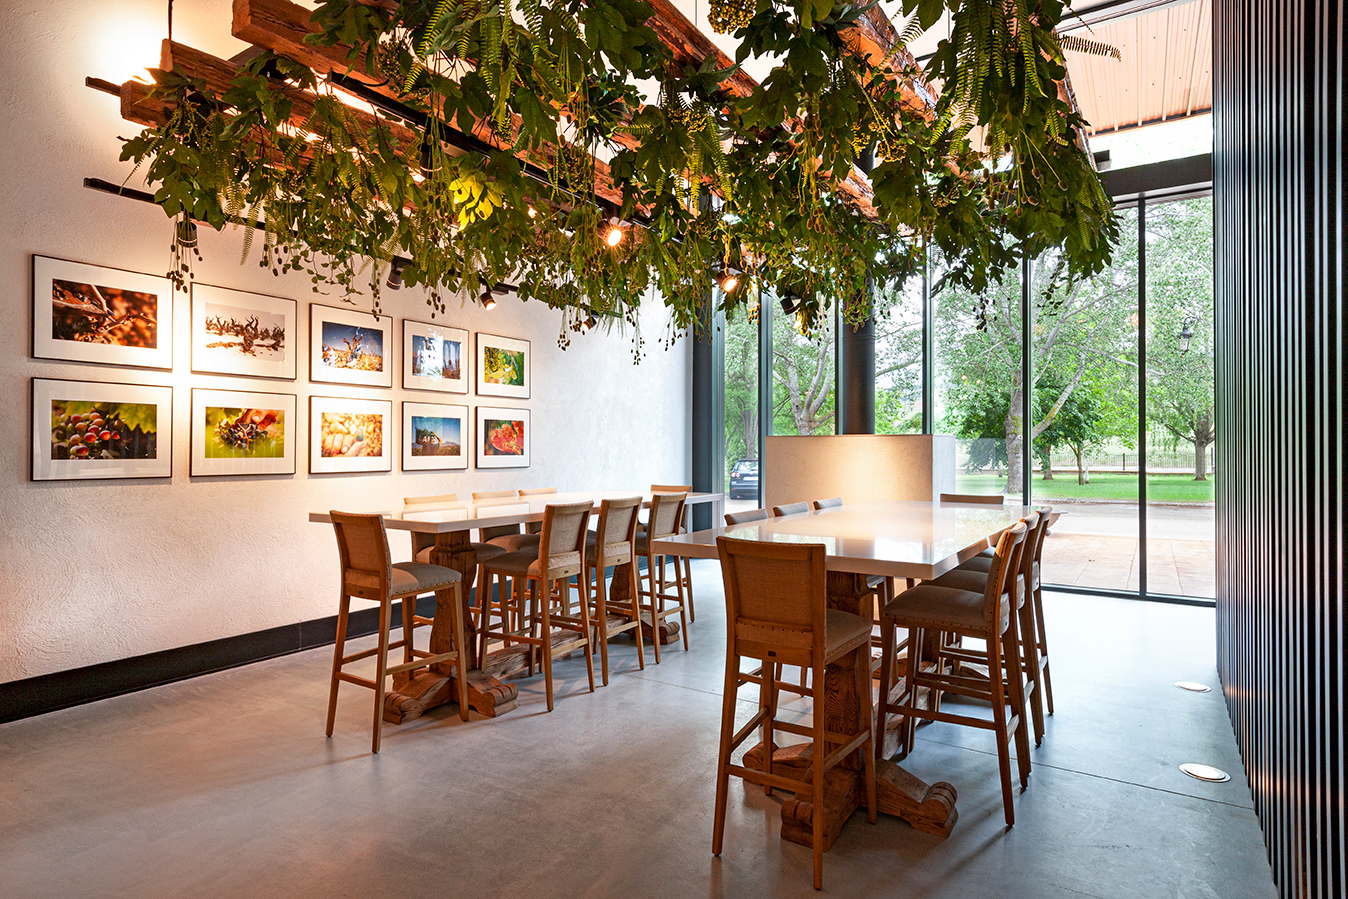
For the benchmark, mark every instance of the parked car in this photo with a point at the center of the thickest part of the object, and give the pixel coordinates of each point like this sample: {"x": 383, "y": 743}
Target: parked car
{"x": 744, "y": 479}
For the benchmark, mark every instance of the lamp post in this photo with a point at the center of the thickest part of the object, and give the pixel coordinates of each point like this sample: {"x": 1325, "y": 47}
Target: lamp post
{"x": 1186, "y": 334}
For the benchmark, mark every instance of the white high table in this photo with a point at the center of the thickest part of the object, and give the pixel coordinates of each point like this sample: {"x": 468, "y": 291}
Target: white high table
{"x": 451, "y": 522}
{"x": 887, "y": 538}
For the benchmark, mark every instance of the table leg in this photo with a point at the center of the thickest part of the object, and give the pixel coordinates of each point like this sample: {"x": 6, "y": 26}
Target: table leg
{"x": 928, "y": 808}
{"x": 487, "y": 695}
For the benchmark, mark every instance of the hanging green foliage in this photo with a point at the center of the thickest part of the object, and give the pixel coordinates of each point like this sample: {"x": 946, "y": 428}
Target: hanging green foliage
{"x": 699, "y": 179}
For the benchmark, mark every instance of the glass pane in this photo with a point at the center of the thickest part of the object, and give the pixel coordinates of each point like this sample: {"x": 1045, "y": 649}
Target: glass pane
{"x": 741, "y": 413}
{"x": 1181, "y": 429}
{"x": 803, "y": 379}
{"x": 898, "y": 358}
{"x": 978, "y": 382}
{"x": 1085, "y": 405}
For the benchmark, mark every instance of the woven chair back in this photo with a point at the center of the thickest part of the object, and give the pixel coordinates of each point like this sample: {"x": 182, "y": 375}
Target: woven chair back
{"x": 362, "y": 547}
{"x": 734, "y": 518}
{"x": 666, "y": 515}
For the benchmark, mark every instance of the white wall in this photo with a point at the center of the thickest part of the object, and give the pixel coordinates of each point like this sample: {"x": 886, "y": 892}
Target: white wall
{"x": 91, "y": 572}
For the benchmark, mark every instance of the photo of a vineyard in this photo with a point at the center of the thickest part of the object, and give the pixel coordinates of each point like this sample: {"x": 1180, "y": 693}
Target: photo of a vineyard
{"x": 352, "y": 348}
{"x": 246, "y": 332}
{"x": 502, "y": 366}
{"x": 87, "y": 430}
{"x": 348, "y": 434}
{"x": 436, "y": 436}
{"x": 235, "y": 433}
{"x": 90, "y": 313}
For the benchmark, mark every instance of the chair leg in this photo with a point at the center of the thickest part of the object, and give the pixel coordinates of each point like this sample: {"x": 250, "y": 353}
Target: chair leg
{"x": 545, "y": 612}
{"x": 636, "y": 614}
{"x": 768, "y": 684}
{"x": 381, "y": 664}
{"x": 916, "y": 638}
{"x": 1011, "y": 658}
{"x": 683, "y": 603}
{"x": 343, "y": 611}
{"x": 583, "y": 591}
{"x": 1000, "y": 726}
{"x": 820, "y": 750}
{"x": 409, "y": 607}
{"x": 688, "y": 586}
{"x": 888, "y": 638}
{"x": 1042, "y": 635}
{"x": 1034, "y": 690}
{"x": 650, "y": 595}
{"x": 728, "y": 700}
{"x": 861, "y": 664}
{"x": 484, "y": 584}
{"x": 460, "y": 646}
{"x": 601, "y": 616}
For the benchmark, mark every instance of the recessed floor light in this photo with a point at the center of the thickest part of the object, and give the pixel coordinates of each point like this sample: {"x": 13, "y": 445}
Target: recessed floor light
{"x": 1193, "y": 686}
{"x": 1205, "y": 772}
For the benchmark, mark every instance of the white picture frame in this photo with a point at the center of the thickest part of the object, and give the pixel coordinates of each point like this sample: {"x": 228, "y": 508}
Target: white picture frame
{"x": 93, "y": 313}
{"x": 345, "y": 345}
{"x": 237, "y": 332}
{"x": 238, "y": 432}
{"x": 367, "y": 422}
{"x": 427, "y": 429}
{"x": 435, "y": 357}
{"x": 494, "y": 452}
{"x": 496, "y": 379}
{"x": 132, "y": 421}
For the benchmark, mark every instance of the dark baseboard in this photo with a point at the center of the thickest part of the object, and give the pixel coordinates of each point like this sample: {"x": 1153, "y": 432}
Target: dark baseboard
{"x": 64, "y": 689}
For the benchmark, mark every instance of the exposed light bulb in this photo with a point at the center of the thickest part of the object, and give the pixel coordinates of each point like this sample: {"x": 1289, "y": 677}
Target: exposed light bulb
{"x": 729, "y": 283}
{"x": 487, "y": 300}
{"x": 614, "y": 236}
{"x": 533, "y": 213}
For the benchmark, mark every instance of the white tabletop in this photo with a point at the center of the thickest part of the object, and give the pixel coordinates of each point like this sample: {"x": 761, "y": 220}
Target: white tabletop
{"x": 465, "y": 514}
{"x": 895, "y": 538}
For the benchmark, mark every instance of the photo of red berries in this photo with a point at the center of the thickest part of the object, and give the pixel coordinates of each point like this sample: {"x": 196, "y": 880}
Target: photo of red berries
{"x": 87, "y": 430}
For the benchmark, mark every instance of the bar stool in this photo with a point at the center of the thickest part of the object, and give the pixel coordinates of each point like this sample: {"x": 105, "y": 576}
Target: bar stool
{"x": 790, "y": 509}
{"x": 683, "y": 567}
{"x": 423, "y": 543}
{"x": 987, "y": 615}
{"x": 776, "y": 610}
{"x": 612, "y": 544}
{"x": 1033, "y": 636}
{"x": 560, "y": 556}
{"x": 734, "y": 518}
{"x": 369, "y": 572}
{"x": 666, "y": 513}
{"x": 881, "y": 585}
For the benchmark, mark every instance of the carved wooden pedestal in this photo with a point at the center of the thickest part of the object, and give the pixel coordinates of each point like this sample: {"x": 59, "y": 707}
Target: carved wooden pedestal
{"x": 487, "y": 694}
{"x": 928, "y": 808}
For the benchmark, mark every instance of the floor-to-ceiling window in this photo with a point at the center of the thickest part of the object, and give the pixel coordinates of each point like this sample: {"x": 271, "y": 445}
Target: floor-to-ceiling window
{"x": 898, "y": 358}
{"x": 804, "y": 376}
{"x": 740, "y": 387}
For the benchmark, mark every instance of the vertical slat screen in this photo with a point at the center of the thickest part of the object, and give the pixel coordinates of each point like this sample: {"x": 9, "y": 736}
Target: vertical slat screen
{"x": 1281, "y": 241}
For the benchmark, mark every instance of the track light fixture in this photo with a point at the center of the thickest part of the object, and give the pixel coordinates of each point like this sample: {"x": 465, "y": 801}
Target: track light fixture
{"x": 395, "y": 274}
{"x": 729, "y": 282}
{"x": 615, "y": 232}
{"x": 790, "y": 303}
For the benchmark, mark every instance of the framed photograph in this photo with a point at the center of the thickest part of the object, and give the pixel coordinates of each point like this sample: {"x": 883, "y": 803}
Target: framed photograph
{"x": 347, "y": 435}
{"x": 238, "y": 432}
{"x": 502, "y": 437}
{"x": 347, "y": 346}
{"x": 235, "y": 332}
{"x": 84, "y": 430}
{"x": 434, "y": 357}
{"x": 90, "y": 313}
{"x": 502, "y": 366}
{"x": 435, "y": 437}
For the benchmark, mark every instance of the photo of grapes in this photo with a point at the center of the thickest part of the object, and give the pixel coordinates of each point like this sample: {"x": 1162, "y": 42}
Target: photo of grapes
{"x": 245, "y": 332}
{"x": 235, "y": 433}
{"x": 434, "y": 436}
{"x": 348, "y": 434}
{"x": 503, "y": 437}
{"x": 91, "y": 313}
{"x": 352, "y": 347}
{"x": 502, "y": 366}
{"x": 86, "y": 430}
{"x": 435, "y": 357}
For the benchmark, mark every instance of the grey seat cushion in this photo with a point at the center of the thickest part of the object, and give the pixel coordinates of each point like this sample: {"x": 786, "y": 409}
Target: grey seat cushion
{"x": 409, "y": 577}
{"x": 843, "y": 629}
{"x": 524, "y": 562}
{"x": 511, "y": 543}
{"x": 943, "y": 608}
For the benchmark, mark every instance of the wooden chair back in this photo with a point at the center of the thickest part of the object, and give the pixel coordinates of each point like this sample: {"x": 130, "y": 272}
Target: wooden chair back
{"x": 666, "y": 515}
{"x": 616, "y": 531}
{"x": 986, "y": 499}
{"x": 1034, "y": 546}
{"x": 790, "y": 509}
{"x": 538, "y": 491}
{"x": 734, "y": 518}
{"x": 775, "y": 599}
{"x": 1001, "y": 577}
{"x": 831, "y": 503}
{"x": 362, "y": 547}
{"x": 561, "y": 550}
{"x": 422, "y": 541}
{"x": 492, "y": 494}
{"x": 671, "y": 488}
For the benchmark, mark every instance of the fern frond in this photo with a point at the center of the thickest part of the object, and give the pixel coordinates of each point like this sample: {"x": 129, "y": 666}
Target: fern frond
{"x": 1078, "y": 44}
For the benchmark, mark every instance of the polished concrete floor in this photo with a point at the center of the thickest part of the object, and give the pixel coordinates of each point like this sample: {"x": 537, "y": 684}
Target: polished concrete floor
{"x": 226, "y": 786}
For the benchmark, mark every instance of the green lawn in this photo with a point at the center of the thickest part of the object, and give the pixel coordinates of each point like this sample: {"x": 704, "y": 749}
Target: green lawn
{"x": 1161, "y": 488}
